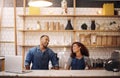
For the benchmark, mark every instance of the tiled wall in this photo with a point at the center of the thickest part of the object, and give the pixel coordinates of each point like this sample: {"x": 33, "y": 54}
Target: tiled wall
{"x": 7, "y": 32}
{"x": 55, "y": 37}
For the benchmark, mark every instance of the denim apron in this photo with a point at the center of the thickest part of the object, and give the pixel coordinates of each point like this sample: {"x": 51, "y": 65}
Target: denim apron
{"x": 41, "y": 60}
{"x": 78, "y": 64}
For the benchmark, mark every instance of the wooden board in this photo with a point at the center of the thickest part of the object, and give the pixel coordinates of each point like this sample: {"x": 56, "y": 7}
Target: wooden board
{"x": 104, "y": 40}
{"x": 82, "y": 38}
{"x": 118, "y": 41}
{"x": 114, "y": 40}
{"x": 99, "y": 40}
{"x": 109, "y": 40}
{"x": 87, "y": 40}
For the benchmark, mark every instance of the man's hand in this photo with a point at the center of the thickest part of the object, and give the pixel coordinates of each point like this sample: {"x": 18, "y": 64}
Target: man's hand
{"x": 27, "y": 67}
{"x": 55, "y": 68}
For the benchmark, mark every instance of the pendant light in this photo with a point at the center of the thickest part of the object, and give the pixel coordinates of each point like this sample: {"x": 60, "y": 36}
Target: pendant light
{"x": 39, "y": 3}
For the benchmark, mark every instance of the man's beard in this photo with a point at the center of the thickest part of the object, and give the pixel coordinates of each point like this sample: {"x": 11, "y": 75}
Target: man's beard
{"x": 45, "y": 46}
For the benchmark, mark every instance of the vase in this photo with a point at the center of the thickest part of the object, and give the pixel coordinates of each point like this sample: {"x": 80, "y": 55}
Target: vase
{"x": 69, "y": 25}
{"x": 93, "y": 26}
{"x": 64, "y": 6}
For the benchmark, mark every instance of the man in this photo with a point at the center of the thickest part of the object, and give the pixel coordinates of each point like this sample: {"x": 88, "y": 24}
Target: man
{"x": 40, "y": 56}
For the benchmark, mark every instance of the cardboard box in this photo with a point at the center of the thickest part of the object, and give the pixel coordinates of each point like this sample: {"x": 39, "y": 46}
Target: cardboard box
{"x": 34, "y": 11}
{"x": 108, "y": 9}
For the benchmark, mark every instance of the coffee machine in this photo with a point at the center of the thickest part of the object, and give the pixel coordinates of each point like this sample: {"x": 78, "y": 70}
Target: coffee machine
{"x": 113, "y": 63}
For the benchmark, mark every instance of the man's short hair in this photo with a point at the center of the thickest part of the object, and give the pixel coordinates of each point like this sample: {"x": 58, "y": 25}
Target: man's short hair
{"x": 44, "y": 36}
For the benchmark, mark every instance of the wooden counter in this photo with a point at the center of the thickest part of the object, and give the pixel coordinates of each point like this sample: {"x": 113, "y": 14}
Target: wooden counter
{"x": 2, "y": 61}
{"x": 63, "y": 74}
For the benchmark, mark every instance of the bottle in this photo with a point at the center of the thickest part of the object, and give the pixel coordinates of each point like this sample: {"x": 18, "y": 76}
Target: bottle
{"x": 69, "y": 25}
{"x": 38, "y": 25}
{"x": 93, "y": 26}
{"x": 64, "y": 6}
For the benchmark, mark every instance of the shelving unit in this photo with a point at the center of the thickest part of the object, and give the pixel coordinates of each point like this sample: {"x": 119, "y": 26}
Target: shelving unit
{"x": 75, "y": 32}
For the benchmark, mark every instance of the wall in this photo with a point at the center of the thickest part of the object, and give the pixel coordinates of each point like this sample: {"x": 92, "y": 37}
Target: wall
{"x": 7, "y": 29}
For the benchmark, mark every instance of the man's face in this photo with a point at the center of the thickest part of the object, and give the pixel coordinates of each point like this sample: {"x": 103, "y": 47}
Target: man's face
{"x": 44, "y": 41}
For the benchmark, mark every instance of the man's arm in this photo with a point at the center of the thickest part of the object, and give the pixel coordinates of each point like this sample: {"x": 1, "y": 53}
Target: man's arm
{"x": 55, "y": 61}
{"x": 28, "y": 60}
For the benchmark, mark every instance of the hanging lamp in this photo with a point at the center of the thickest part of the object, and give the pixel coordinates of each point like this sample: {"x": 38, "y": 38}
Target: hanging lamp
{"x": 39, "y": 3}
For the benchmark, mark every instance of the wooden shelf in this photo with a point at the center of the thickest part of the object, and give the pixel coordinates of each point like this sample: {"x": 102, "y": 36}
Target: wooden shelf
{"x": 96, "y": 30}
{"x": 105, "y": 46}
{"x": 46, "y": 15}
{"x": 55, "y": 46}
{"x": 97, "y": 16}
{"x": 68, "y": 31}
{"x": 59, "y": 46}
{"x": 68, "y": 46}
{"x": 6, "y": 41}
{"x": 69, "y": 15}
{"x": 23, "y": 45}
{"x": 7, "y": 27}
{"x": 46, "y": 30}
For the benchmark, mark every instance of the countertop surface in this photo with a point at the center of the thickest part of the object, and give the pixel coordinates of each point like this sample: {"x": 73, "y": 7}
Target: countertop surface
{"x": 64, "y": 73}
{"x": 2, "y": 58}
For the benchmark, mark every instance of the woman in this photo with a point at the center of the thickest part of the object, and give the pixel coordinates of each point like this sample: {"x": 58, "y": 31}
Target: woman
{"x": 79, "y": 57}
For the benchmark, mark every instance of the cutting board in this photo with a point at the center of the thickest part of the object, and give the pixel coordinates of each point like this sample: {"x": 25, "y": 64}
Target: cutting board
{"x": 118, "y": 40}
{"x": 104, "y": 40}
{"x": 114, "y": 40}
{"x": 109, "y": 40}
{"x": 99, "y": 40}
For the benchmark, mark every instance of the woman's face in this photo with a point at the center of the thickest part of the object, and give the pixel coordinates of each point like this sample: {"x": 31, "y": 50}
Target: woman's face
{"x": 76, "y": 48}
